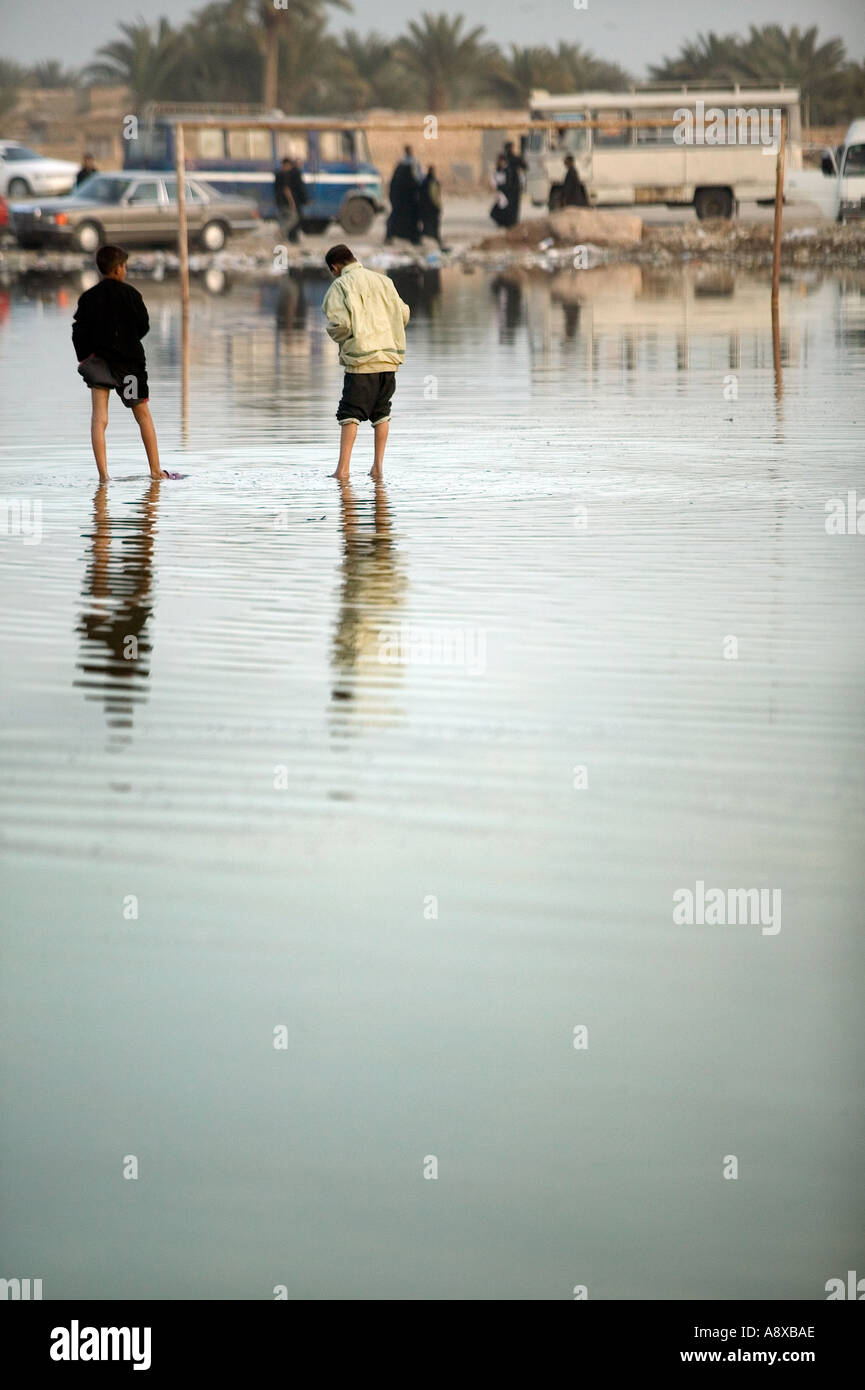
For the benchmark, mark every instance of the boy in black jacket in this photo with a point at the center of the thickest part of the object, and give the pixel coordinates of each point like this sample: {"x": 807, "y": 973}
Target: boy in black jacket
{"x": 110, "y": 322}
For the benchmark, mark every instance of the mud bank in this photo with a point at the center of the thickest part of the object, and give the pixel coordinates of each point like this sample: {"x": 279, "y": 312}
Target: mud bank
{"x": 578, "y": 238}
{"x": 612, "y": 237}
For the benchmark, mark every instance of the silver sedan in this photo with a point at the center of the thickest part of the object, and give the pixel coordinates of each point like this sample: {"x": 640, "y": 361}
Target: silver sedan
{"x": 133, "y": 209}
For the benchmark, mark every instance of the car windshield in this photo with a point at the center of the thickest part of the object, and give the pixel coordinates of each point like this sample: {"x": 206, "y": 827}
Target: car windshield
{"x": 855, "y": 161}
{"x": 101, "y": 189}
{"x": 13, "y": 152}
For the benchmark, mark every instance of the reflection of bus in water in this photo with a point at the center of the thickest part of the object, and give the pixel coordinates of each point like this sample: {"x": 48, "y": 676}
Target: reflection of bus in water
{"x": 240, "y": 153}
{"x": 695, "y": 159}
{"x": 689, "y": 315}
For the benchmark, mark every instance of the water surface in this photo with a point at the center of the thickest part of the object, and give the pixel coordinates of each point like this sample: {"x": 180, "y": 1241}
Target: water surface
{"x": 428, "y": 873}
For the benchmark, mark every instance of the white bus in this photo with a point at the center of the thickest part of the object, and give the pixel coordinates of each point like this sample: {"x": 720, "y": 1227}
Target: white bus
{"x": 716, "y": 150}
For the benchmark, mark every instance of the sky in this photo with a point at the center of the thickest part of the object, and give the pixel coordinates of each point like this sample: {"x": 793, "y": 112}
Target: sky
{"x": 631, "y": 32}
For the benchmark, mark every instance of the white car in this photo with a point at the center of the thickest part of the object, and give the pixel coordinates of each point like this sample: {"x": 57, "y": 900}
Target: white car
{"x": 24, "y": 173}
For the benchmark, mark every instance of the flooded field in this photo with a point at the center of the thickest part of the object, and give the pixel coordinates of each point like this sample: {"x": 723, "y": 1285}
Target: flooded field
{"x": 347, "y": 832}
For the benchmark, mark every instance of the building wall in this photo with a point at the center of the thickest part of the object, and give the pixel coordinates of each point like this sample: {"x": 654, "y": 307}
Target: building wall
{"x": 463, "y": 159}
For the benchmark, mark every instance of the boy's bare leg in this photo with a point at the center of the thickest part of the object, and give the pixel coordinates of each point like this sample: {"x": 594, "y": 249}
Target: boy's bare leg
{"x": 98, "y": 425}
{"x": 379, "y": 434}
{"x": 148, "y": 437}
{"x": 347, "y": 436}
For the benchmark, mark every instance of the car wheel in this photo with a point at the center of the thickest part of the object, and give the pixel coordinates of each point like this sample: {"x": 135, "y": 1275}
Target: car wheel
{"x": 18, "y": 188}
{"x": 314, "y": 226}
{"x": 213, "y": 236}
{"x": 356, "y": 215}
{"x": 88, "y": 237}
{"x": 713, "y": 202}
{"x": 29, "y": 243}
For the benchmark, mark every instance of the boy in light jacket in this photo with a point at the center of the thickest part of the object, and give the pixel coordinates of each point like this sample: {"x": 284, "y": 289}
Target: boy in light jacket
{"x": 367, "y": 319}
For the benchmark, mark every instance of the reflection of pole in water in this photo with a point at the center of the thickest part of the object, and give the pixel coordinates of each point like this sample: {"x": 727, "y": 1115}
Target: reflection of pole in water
{"x": 779, "y": 376}
{"x": 115, "y": 647}
{"x": 184, "y": 376}
{"x": 183, "y": 254}
{"x": 371, "y": 594}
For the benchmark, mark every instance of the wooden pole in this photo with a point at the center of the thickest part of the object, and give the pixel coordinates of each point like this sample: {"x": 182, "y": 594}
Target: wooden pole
{"x": 779, "y": 209}
{"x": 183, "y": 253}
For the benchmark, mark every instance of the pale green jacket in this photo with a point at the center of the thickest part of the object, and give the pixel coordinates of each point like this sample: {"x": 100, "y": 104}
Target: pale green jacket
{"x": 367, "y": 319}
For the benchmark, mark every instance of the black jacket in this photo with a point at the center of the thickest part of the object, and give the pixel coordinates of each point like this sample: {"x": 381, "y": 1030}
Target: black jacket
{"x": 297, "y": 187}
{"x": 282, "y": 192}
{"x": 111, "y": 319}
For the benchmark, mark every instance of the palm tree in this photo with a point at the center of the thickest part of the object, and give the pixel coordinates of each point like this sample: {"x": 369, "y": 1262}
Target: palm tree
{"x": 512, "y": 80}
{"x": 795, "y": 57}
{"x": 145, "y": 60}
{"x": 579, "y": 71}
{"x": 442, "y": 59}
{"x": 714, "y": 57}
{"x": 52, "y": 74}
{"x": 308, "y": 65}
{"x": 269, "y": 24}
{"x": 372, "y": 62}
{"x": 223, "y": 60}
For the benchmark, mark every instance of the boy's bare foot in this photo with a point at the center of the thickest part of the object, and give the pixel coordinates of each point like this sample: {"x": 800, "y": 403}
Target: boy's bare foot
{"x": 343, "y": 477}
{"x": 160, "y": 474}
{"x": 376, "y": 473}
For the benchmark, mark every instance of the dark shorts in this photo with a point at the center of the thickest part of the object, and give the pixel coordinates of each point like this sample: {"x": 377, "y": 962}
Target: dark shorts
{"x": 130, "y": 383}
{"x": 366, "y": 396}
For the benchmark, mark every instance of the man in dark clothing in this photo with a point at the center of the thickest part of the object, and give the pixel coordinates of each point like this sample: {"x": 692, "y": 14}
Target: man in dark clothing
{"x": 573, "y": 188}
{"x": 286, "y": 207}
{"x": 299, "y": 193}
{"x": 404, "y": 193}
{"x": 88, "y": 167}
{"x": 515, "y": 168}
{"x": 109, "y": 323}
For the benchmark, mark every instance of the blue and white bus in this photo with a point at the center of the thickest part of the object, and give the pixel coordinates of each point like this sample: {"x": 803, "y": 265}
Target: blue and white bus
{"x": 240, "y": 154}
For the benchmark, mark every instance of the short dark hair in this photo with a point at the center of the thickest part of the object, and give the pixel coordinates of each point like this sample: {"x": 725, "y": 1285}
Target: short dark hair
{"x": 108, "y": 258}
{"x": 338, "y": 255}
{"x": 287, "y": 159}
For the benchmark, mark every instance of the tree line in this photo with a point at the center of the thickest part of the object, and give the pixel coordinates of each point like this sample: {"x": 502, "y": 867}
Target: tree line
{"x": 288, "y": 58}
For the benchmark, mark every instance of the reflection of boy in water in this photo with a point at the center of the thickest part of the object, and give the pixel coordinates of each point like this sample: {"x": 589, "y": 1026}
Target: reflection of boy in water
{"x": 113, "y": 626}
{"x": 372, "y": 587}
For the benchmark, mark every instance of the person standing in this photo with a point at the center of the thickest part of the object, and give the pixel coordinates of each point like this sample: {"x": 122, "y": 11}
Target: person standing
{"x": 431, "y": 207}
{"x": 515, "y": 166}
{"x": 88, "y": 167}
{"x": 573, "y": 188}
{"x": 366, "y": 319}
{"x": 109, "y": 324}
{"x": 498, "y": 211}
{"x": 286, "y": 208}
{"x": 300, "y": 194}
{"x": 404, "y": 193}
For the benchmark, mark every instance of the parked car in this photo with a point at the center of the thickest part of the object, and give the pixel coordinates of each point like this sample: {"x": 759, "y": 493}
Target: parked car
{"x": 134, "y": 209}
{"x": 24, "y": 173}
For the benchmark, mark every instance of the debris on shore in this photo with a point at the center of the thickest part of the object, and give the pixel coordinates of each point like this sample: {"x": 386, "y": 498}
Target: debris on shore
{"x": 573, "y": 238}
{"x": 619, "y": 237}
